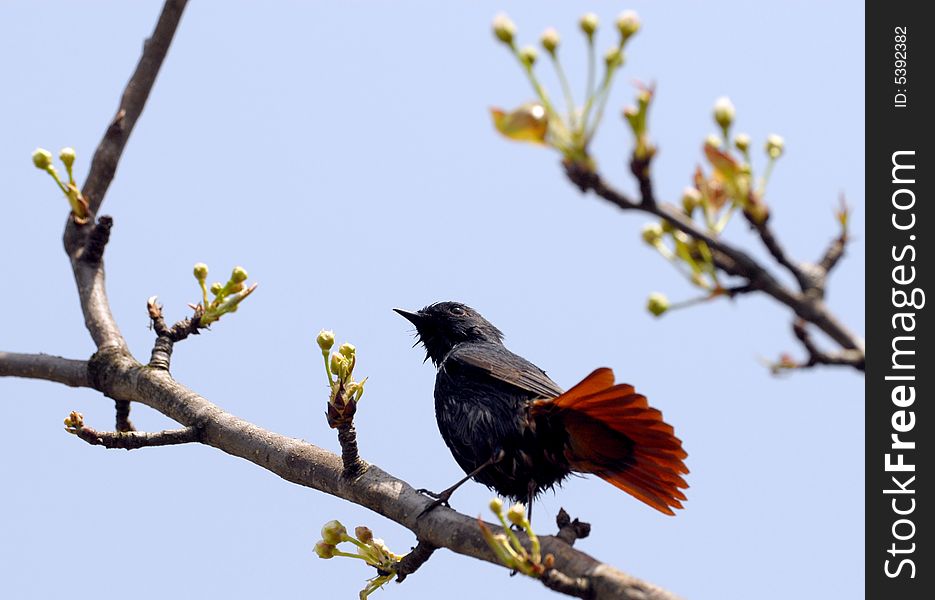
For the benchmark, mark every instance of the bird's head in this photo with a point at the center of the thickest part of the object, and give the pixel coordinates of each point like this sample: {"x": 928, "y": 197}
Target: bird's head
{"x": 443, "y": 325}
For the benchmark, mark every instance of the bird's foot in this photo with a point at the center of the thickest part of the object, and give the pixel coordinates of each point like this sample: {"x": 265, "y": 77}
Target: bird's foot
{"x": 440, "y": 499}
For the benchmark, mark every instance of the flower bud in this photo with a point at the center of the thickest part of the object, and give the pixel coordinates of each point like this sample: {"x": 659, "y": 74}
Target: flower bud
{"x": 528, "y": 55}
{"x": 774, "y": 146}
{"x": 613, "y": 58}
{"x": 496, "y": 505}
{"x": 657, "y": 303}
{"x": 724, "y": 112}
{"x": 691, "y": 199}
{"x": 504, "y": 28}
{"x": 42, "y": 158}
{"x": 333, "y": 532}
{"x": 713, "y": 141}
{"x": 200, "y": 271}
{"x": 550, "y": 40}
{"x": 652, "y": 233}
{"x": 235, "y": 288}
{"x": 628, "y": 23}
{"x": 67, "y": 156}
{"x": 216, "y": 288}
{"x": 338, "y": 365}
{"x": 347, "y": 350}
{"x": 516, "y": 514}
{"x": 588, "y": 24}
{"x": 324, "y": 550}
{"x": 325, "y": 340}
{"x": 238, "y": 275}
{"x": 363, "y": 534}
{"x": 742, "y": 142}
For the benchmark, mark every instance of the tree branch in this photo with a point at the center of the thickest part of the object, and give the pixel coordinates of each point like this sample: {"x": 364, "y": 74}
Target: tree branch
{"x": 73, "y": 373}
{"x": 118, "y": 375}
{"x": 135, "y": 95}
{"x": 731, "y": 260}
{"x": 81, "y": 239}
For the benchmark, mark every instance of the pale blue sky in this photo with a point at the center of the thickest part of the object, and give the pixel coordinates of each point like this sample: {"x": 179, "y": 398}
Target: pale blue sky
{"x": 342, "y": 153}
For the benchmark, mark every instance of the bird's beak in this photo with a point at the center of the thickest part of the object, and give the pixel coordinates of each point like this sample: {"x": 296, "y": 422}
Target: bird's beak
{"x": 413, "y": 317}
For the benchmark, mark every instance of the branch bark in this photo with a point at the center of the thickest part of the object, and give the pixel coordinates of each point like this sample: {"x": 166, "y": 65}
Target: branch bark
{"x": 73, "y": 373}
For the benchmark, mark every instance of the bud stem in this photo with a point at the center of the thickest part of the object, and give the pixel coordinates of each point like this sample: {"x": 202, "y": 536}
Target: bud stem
{"x": 566, "y": 90}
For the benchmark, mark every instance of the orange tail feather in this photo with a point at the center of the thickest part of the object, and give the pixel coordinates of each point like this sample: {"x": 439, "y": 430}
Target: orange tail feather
{"x": 615, "y": 434}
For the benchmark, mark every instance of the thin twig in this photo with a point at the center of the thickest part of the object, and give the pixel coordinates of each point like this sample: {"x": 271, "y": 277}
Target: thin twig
{"x": 570, "y": 531}
{"x": 817, "y": 356}
{"x": 416, "y": 558}
{"x": 137, "y": 439}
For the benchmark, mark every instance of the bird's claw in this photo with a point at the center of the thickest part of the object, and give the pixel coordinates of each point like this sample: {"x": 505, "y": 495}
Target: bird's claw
{"x": 439, "y": 500}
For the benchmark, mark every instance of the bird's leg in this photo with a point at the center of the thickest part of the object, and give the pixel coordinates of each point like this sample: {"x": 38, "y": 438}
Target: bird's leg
{"x": 531, "y": 495}
{"x": 442, "y": 498}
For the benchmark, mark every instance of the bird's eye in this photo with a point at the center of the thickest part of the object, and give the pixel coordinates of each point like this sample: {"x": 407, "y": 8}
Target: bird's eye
{"x": 457, "y": 310}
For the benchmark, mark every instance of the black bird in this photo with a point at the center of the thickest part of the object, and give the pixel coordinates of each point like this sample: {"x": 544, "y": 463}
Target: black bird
{"x": 516, "y": 431}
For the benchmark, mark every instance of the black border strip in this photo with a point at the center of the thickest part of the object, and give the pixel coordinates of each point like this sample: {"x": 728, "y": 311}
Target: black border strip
{"x": 899, "y": 115}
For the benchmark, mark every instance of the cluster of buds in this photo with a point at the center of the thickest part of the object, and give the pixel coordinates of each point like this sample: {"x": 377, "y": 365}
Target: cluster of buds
{"x": 713, "y": 198}
{"x": 731, "y": 183}
{"x": 371, "y": 550}
{"x": 507, "y": 547}
{"x": 74, "y": 422}
{"x": 345, "y": 393}
{"x": 637, "y": 118}
{"x": 691, "y": 257}
{"x": 227, "y": 297}
{"x": 42, "y": 159}
{"x": 570, "y": 132}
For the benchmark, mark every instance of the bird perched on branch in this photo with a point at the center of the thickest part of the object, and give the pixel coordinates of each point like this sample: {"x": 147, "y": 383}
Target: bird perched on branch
{"x": 516, "y": 431}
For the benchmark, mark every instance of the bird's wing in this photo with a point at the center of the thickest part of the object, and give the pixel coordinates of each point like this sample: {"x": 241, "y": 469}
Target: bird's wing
{"x": 505, "y": 366}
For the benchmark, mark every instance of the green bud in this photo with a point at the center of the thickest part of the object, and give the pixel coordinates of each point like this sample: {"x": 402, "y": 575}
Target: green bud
{"x": 347, "y": 350}
{"x": 67, "y": 156}
{"x": 333, "y": 532}
{"x": 742, "y": 142}
{"x": 496, "y": 505}
{"x": 363, "y": 534}
{"x": 216, "y": 288}
{"x": 42, "y": 158}
{"x": 774, "y": 146}
{"x": 325, "y": 340}
{"x": 235, "y": 288}
{"x": 628, "y": 23}
{"x": 324, "y": 550}
{"x": 713, "y": 141}
{"x": 200, "y": 271}
{"x": 613, "y": 58}
{"x": 588, "y": 24}
{"x": 652, "y": 233}
{"x": 238, "y": 275}
{"x": 657, "y": 303}
{"x": 516, "y": 514}
{"x": 528, "y": 55}
{"x": 338, "y": 365}
{"x": 724, "y": 112}
{"x": 504, "y": 28}
{"x": 550, "y": 40}
{"x": 691, "y": 199}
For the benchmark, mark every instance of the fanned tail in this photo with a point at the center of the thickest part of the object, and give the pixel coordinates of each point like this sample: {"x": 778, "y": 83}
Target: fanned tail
{"x": 615, "y": 434}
